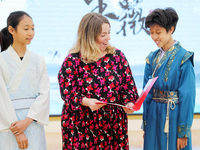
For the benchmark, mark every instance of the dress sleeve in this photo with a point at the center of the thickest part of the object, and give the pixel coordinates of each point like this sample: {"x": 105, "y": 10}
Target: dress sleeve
{"x": 129, "y": 90}
{"x": 7, "y": 113}
{"x": 187, "y": 94}
{"x": 39, "y": 110}
{"x": 147, "y": 101}
{"x": 67, "y": 78}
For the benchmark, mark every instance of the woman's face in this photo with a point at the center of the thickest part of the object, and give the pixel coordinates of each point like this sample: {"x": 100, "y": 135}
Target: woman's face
{"x": 104, "y": 37}
{"x": 24, "y": 32}
{"x": 161, "y": 37}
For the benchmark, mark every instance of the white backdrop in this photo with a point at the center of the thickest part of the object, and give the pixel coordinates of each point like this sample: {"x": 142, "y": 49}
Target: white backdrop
{"x": 56, "y": 23}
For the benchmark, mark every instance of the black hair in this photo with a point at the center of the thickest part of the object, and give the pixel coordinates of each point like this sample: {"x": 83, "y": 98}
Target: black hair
{"x": 166, "y": 18}
{"x": 13, "y": 20}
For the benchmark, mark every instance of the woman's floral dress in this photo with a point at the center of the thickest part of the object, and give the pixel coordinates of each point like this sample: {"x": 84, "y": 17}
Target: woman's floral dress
{"x": 110, "y": 80}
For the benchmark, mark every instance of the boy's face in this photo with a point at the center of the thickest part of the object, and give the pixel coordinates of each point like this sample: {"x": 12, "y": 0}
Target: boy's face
{"x": 161, "y": 37}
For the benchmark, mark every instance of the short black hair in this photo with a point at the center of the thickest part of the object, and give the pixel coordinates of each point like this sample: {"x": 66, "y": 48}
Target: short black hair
{"x": 166, "y": 18}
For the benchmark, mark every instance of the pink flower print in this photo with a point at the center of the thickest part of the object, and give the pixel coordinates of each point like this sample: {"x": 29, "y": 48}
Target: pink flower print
{"x": 101, "y": 138}
{"x": 68, "y": 71}
{"x": 122, "y": 144}
{"x": 109, "y": 139}
{"x": 95, "y": 85}
{"x": 111, "y": 78}
{"x": 98, "y": 90}
{"x": 87, "y": 136}
{"x": 94, "y": 71}
{"x": 117, "y": 59}
{"x": 126, "y": 63}
{"x": 100, "y": 116}
{"x": 107, "y": 66}
{"x": 95, "y": 140}
{"x": 82, "y": 145}
{"x": 112, "y": 99}
{"x": 65, "y": 92}
{"x": 89, "y": 88}
{"x": 114, "y": 67}
{"x": 69, "y": 63}
{"x": 102, "y": 70}
{"x": 102, "y": 80}
{"x": 80, "y": 82}
{"x": 64, "y": 124}
{"x": 85, "y": 75}
{"x": 127, "y": 70}
{"x": 86, "y": 68}
{"x": 76, "y": 144}
{"x": 106, "y": 59}
{"x": 77, "y": 62}
{"x": 105, "y": 89}
{"x": 109, "y": 94}
{"x": 89, "y": 80}
{"x": 107, "y": 73}
{"x": 80, "y": 69}
{"x": 112, "y": 85}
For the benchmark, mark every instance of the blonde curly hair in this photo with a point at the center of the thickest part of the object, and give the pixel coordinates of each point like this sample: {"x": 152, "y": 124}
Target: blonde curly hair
{"x": 89, "y": 29}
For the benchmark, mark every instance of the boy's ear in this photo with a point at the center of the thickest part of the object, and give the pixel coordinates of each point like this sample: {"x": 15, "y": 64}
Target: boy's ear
{"x": 172, "y": 29}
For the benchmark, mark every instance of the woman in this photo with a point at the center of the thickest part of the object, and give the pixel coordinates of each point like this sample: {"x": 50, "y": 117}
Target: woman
{"x": 24, "y": 87}
{"x": 92, "y": 73}
{"x": 169, "y": 107}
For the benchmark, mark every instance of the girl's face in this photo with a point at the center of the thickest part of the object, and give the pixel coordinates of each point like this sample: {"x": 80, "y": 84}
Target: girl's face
{"x": 104, "y": 37}
{"x": 24, "y": 32}
{"x": 161, "y": 37}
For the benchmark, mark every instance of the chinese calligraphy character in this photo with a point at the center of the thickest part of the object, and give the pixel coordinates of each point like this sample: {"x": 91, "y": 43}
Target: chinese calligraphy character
{"x": 130, "y": 15}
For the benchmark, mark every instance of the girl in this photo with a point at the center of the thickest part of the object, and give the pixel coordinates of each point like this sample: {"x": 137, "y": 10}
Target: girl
{"x": 26, "y": 87}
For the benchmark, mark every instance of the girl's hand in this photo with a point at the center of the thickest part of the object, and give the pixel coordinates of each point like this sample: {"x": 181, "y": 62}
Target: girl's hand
{"x": 127, "y": 110}
{"x": 181, "y": 143}
{"x": 18, "y": 127}
{"x": 22, "y": 141}
{"x": 91, "y": 103}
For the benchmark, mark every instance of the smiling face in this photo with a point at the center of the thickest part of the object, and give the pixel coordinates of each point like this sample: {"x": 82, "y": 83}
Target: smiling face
{"x": 104, "y": 37}
{"x": 161, "y": 37}
{"x": 24, "y": 32}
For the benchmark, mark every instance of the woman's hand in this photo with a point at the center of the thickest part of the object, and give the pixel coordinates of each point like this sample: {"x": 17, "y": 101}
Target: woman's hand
{"x": 18, "y": 127}
{"x": 22, "y": 141}
{"x": 91, "y": 103}
{"x": 127, "y": 110}
{"x": 181, "y": 143}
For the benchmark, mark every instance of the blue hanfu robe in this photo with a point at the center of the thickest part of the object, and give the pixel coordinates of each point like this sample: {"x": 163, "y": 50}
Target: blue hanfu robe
{"x": 176, "y": 81}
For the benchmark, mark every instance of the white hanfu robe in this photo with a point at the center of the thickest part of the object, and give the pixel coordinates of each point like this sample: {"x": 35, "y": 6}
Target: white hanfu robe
{"x": 25, "y": 88}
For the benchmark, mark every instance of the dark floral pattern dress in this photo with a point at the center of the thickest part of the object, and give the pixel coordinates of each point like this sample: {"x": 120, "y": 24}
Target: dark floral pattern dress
{"x": 109, "y": 79}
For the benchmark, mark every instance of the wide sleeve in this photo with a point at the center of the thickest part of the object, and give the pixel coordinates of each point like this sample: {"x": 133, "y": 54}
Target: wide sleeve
{"x": 39, "y": 110}
{"x": 148, "y": 99}
{"x": 7, "y": 112}
{"x": 187, "y": 94}
{"x": 128, "y": 91}
{"x": 68, "y": 82}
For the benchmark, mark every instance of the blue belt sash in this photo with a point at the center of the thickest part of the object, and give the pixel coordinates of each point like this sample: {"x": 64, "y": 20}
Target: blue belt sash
{"x": 169, "y": 97}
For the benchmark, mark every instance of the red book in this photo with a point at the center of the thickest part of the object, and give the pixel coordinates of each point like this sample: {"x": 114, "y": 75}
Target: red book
{"x": 144, "y": 93}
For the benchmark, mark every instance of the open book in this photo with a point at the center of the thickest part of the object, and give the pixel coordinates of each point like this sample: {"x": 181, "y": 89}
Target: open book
{"x": 142, "y": 97}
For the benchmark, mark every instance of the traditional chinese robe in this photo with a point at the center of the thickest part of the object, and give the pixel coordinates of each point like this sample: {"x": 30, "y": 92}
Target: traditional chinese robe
{"x": 176, "y": 81}
{"x": 26, "y": 87}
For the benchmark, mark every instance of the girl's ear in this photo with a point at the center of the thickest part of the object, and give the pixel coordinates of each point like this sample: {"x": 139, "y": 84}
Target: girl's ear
{"x": 11, "y": 29}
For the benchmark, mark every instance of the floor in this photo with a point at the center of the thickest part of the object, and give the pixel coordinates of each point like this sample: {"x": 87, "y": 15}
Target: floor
{"x": 54, "y": 141}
